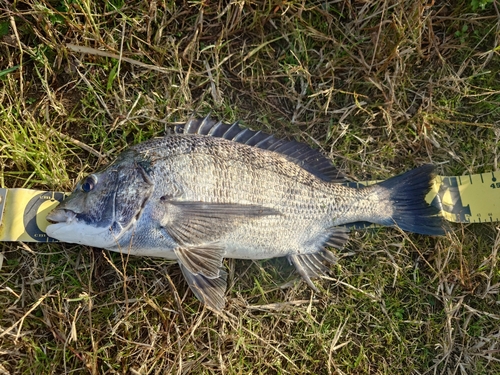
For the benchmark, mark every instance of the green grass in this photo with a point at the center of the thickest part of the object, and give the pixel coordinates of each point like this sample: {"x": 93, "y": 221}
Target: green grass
{"x": 379, "y": 86}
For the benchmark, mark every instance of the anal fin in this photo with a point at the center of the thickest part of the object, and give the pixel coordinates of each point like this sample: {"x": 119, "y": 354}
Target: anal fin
{"x": 312, "y": 265}
{"x": 338, "y": 237}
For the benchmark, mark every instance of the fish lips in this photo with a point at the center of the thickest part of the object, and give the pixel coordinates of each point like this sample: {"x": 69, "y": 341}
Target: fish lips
{"x": 67, "y": 226}
{"x": 61, "y": 216}
{"x": 65, "y": 215}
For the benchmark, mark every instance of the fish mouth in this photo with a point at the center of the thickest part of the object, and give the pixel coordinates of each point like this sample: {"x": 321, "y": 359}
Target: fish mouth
{"x": 61, "y": 216}
{"x": 68, "y": 226}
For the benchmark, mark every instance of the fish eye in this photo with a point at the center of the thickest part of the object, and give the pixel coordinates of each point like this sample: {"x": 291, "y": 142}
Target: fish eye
{"x": 89, "y": 183}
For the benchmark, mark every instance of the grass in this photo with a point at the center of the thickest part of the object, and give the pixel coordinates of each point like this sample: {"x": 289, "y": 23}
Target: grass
{"x": 379, "y": 86}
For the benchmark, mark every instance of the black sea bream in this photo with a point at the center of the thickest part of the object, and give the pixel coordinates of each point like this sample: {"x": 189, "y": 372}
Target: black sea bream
{"x": 214, "y": 191}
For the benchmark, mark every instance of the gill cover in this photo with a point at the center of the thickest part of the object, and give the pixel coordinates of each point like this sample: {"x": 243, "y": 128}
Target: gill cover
{"x": 104, "y": 205}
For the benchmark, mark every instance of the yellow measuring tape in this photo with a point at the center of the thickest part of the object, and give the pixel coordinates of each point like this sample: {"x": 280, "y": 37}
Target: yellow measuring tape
{"x": 461, "y": 199}
{"x": 23, "y": 213}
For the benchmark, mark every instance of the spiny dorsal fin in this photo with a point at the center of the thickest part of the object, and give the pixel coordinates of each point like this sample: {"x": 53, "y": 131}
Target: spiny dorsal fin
{"x": 301, "y": 154}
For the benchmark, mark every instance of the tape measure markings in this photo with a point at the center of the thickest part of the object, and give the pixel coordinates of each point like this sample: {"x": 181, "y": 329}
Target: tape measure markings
{"x": 24, "y": 214}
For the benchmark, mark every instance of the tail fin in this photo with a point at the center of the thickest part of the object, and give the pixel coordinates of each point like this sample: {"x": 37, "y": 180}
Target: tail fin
{"x": 410, "y": 210}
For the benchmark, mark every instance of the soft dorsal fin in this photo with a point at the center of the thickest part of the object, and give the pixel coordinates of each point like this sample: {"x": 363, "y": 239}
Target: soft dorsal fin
{"x": 299, "y": 153}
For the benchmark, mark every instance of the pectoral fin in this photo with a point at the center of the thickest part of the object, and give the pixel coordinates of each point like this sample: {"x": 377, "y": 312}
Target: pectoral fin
{"x": 222, "y": 209}
{"x": 192, "y": 223}
{"x": 204, "y": 260}
{"x": 210, "y": 291}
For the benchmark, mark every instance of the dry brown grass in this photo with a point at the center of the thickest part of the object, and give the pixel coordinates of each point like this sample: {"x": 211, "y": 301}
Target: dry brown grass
{"x": 380, "y": 86}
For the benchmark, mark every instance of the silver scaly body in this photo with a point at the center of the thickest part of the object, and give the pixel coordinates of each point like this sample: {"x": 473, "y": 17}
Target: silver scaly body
{"x": 215, "y": 191}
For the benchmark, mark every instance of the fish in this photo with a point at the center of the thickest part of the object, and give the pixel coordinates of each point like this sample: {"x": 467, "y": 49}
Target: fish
{"x": 212, "y": 190}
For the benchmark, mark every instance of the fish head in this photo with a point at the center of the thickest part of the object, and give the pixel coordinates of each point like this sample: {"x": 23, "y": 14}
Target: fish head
{"x": 104, "y": 205}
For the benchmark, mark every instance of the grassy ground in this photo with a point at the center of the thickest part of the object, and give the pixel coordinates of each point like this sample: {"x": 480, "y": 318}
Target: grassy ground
{"x": 379, "y": 86}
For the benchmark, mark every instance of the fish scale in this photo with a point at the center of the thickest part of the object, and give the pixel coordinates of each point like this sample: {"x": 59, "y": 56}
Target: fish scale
{"x": 213, "y": 190}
